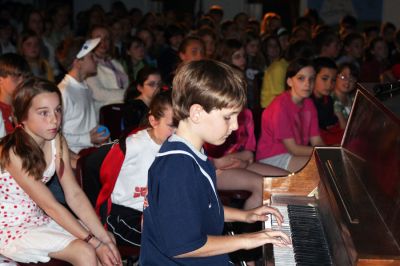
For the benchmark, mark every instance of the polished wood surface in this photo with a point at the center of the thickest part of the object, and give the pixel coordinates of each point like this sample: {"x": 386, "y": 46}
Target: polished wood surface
{"x": 302, "y": 183}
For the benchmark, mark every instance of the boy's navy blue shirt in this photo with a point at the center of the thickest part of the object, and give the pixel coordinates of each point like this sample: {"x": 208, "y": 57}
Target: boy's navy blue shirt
{"x": 183, "y": 207}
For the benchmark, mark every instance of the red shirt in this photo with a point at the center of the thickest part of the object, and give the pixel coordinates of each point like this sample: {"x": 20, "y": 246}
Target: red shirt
{"x": 6, "y": 110}
{"x": 283, "y": 119}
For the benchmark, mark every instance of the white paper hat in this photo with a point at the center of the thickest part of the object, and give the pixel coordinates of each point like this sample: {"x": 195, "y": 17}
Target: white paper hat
{"x": 87, "y": 47}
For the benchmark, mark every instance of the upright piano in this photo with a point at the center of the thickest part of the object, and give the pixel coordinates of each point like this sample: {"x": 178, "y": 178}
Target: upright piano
{"x": 343, "y": 207}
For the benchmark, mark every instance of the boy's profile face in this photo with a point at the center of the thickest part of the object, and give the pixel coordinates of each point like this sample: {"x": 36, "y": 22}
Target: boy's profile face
{"x": 217, "y": 125}
{"x": 325, "y": 82}
{"x": 88, "y": 64}
{"x": 9, "y": 83}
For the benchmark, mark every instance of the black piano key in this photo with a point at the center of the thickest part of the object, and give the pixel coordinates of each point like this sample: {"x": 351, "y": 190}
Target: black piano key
{"x": 309, "y": 244}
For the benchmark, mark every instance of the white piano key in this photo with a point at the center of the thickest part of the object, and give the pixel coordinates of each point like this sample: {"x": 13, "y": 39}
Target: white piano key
{"x": 282, "y": 255}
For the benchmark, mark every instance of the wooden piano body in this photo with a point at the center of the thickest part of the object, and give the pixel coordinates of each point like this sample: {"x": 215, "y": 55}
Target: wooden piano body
{"x": 356, "y": 187}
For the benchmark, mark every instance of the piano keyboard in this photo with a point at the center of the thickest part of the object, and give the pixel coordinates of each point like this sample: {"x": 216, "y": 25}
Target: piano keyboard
{"x": 309, "y": 244}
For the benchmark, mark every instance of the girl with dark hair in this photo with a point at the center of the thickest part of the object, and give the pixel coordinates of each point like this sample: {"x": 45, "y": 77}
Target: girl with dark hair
{"x": 129, "y": 188}
{"x": 343, "y": 94}
{"x": 138, "y": 98}
{"x": 134, "y": 58}
{"x": 34, "y": 226}
{"x": 290, "y": 122}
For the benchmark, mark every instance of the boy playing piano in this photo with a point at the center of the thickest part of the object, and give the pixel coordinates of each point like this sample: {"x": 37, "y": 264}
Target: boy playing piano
{"x": 184, "y": 218}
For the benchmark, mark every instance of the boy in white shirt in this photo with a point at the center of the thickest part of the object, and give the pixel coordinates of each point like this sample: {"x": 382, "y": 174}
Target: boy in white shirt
{"x": 80, "y": 126}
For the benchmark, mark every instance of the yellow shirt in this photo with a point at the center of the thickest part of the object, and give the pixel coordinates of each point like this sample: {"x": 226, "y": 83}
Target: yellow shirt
{"x": 273, "y": 81}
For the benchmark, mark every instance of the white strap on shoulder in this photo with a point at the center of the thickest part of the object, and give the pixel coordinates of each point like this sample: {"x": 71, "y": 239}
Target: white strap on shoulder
{"x": 201, "y": 168}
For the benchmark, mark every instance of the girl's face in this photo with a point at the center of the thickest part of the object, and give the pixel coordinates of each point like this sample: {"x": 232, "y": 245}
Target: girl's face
{"x": 136, "y": 52}
{"x": 103, "y": 48}
{"x": 345, "y": 81}
{"x": 239, "y": 58}
{"x": 273, "y": 49}
{"x": 252, "y": 47}
{"x": 194, "y": 52}
{"x": 163, "y": 127}
{"x": 31, "y": 48}
{"x": 302, "y": 84}
{"x": 325, "y": 82}
{"x": 380, "y": 51}
{"x": 150, "y": 86}
{"x": 44, "y": 117}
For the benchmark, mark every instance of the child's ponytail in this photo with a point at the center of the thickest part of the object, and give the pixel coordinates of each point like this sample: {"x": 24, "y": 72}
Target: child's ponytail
{"x": 25, "y": 147}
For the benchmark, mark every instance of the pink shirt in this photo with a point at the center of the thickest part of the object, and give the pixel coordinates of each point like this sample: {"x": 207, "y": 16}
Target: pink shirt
{"x": 283, "y": 119}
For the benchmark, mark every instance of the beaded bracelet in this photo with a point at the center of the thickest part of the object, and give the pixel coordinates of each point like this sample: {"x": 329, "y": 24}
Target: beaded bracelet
{"x": 87, "y": 239}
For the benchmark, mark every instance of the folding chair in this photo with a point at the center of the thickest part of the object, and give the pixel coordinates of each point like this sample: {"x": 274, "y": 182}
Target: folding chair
{"x": 111, "y": 117}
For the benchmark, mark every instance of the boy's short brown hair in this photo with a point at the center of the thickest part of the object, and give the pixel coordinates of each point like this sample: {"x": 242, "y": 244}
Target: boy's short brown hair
{"x": 13, "y": 64}
{"x": 209, "y": 83}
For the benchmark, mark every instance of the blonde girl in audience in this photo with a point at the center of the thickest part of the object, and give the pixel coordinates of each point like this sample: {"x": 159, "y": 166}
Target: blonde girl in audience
{"x": 34, "y": 226}
{"x": 130, "y": 187}
{"x": 290, "y": 122}
{"x": 29, "y": 46}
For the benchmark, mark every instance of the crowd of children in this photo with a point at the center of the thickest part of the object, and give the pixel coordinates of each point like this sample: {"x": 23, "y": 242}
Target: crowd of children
{"x": 249, "y": 99}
